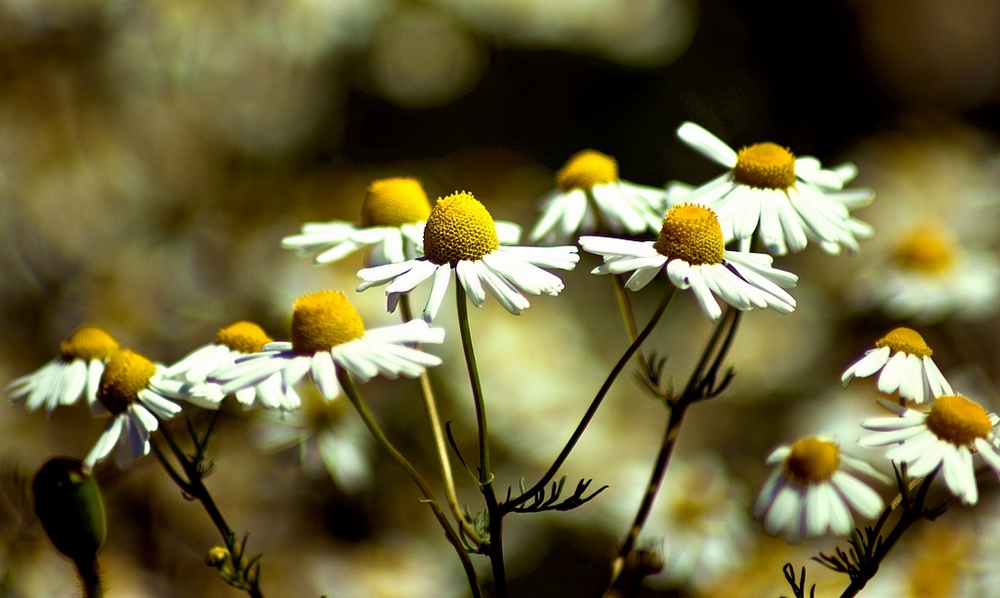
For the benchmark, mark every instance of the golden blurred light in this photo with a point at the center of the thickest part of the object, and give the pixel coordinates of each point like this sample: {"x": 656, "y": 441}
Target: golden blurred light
{"x": 420, "y": 58}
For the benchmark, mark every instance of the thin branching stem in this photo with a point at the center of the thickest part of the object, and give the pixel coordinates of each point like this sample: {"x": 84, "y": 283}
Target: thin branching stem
{"x": 702, "y": 384}
{"x": 493, "y": 511}
{"x": 440, "y": 446}
{"x": 352, "y": 392}
{"x": 195, "y": 487}
{"x": 595, "y": 404}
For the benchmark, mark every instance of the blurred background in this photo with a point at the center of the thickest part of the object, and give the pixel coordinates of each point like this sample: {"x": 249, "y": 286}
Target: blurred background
{"x": 153, "y": 154}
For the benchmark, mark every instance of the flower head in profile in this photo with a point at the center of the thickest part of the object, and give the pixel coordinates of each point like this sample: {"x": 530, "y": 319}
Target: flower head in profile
{"x": 787, "y": 200}
{"x": 134, "y": 393}
{"x": 328, "y": 333}
{"x": 589, "y": 195}
{"x": 75, "y": 373}
{"x": 462, "y": 238}
{"x": 929, "y": 276}
{"x": 392, "y": 222}
{"x": 810, "y": 493}
{"x": 944, "y": 437}
{"x": 691, "y": 249}
{"x": 906, "y": 366}
{"x": 231, "y": 342}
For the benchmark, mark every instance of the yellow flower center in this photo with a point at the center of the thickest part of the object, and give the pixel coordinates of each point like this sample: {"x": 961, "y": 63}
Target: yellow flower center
{"x": 906, "y": 340}
{"x": 125, "y": 374}
{"x": 394, "y": 201}
{"x": 89, "y": 342}
{"x": 927, "y": 249}
{"x": 459, "y": 228}
{"x": 323, "y": 320}
{"x": 245, "y": 337}
{"x": 812, "y": 461}
{"x": 691, "y": 233}
{"x": 586, "y": 169}
{"x": 765, "y": 165}
{"x": 958, "y": 420}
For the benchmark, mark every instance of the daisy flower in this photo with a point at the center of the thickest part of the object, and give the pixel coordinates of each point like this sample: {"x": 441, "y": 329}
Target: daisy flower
{"x": 233, "y": 341}
{"x": 691, "y": 249}
{"x": 133, "y": 391}
{"x": 74, "y": 374}
{"x": 788, "y": 200}
{"x": 461, "y": 237}
{"x": 810, "y": 493}
{"x": 945, "y": 437}
{"x": 929, "y": 276}
{"x": 327, "y": 333}
{"x": 392, "y": 224}
{"x": 329, "y": 436}
{"x": 590, "y": 195}
{"x": 905, "y": 361}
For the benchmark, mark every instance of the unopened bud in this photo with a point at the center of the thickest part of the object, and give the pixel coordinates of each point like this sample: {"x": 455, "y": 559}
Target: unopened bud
{"x": 68, "y": 503}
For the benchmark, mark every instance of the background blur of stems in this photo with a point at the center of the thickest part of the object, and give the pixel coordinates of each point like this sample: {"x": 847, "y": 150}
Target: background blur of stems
{"x": 152, "y": 155}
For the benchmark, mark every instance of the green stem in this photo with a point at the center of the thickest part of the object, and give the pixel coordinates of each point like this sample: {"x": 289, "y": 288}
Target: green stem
{"x": 493, "y": 510}
{"x": 477, "y": 386}
{"x": 700, "y": 385}
{"x": 440, "y": 447}
{"x": 352, "y": 392}
{"x": 195, "y": 487}
{"x": 90, "y": 577}
{"x": 594, "y": 405}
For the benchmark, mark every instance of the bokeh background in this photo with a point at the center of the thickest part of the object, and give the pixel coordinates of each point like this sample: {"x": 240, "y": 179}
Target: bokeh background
{"x": 153, "y": 154}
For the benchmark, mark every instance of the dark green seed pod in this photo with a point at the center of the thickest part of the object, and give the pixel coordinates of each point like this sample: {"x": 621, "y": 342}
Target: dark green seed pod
{"x": 68, "y": 503}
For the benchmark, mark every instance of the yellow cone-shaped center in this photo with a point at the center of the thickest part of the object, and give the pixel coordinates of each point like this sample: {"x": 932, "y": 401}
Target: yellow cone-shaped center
{"x": 323, "y": 320}
{"x": 765, "y": 165}
{"x": 691, "y": 233}
{"x": 958, "y": 420}
{"x": 927, "y": 249}
{"x": 459, "y": 228}
{"x": 812, "y": 461}
{"x": 89, "y": 342}
{"x": 906, "y": 340}
{"x": 245, "y": 337}
{"x": 586, "y": 169}
{"x": 395, "y": 201}
{"x": 125, "y": 374}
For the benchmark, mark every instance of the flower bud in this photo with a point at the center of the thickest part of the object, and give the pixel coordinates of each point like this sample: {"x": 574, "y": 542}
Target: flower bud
{"x": 68, "y": 503}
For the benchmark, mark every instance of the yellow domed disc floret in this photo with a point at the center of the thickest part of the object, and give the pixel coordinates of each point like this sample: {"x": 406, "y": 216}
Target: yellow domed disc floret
{"x": 245, "y": 337}
{"x": 323, "y": 320}
{"x": 459, "y": 228}
{"x": 766, "y": 166}
{"x": 394, "y": 201}
{"x": 906, "y": 340}
{"x": 125, "y": 374}
{"x": 927, "y": 249}
{"x": 89, "y": 342}
{"x": 958, "y": 420}
{"x": 586, "y": 169}
{"x": 812, "y": 461}
{"x": 691, "y": 233}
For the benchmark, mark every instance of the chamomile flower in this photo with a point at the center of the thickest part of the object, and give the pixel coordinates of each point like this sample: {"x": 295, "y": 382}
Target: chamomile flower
{"x": 329, "y": 436}
{"x": 231, "y": 342}
{"x": 392, "y": 224}
{"x": 590, "y": 195}
{"x": 74, "y": 374}
{"x": 945, "y": 437}
{"x": 461, "y": 237}
{"x": 133, "y": 391}
{"x": 906, "y": 365}
{"x": 327, "y": 333}
{"x": 930, "y": 276}
{"x": 809, "y": 492}
{"x": 691, "y": 249}
{"x": 788, "y": 200}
